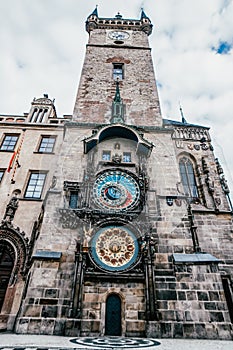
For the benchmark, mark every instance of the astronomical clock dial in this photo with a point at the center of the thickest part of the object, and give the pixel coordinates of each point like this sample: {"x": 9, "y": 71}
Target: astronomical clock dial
{"x": 116, "y": 190}
{"x": 118, "y": 35}
{"x": 114, "y": 248}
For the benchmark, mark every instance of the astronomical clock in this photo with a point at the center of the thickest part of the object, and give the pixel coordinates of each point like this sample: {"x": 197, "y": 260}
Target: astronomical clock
{"x": 114, "y": 248}
{"x": 116, "y": 189}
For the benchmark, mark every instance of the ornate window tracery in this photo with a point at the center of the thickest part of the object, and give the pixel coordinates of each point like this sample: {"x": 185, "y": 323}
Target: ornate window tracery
{"x": 188, "y": 177}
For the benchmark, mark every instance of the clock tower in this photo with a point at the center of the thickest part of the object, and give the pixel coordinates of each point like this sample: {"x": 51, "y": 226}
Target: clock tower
{"x": 118, "y": 48}
{"x": 129, "y": 243}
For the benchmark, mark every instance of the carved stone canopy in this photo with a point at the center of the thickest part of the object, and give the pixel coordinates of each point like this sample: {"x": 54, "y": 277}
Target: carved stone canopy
{"x": 116, "y": 131}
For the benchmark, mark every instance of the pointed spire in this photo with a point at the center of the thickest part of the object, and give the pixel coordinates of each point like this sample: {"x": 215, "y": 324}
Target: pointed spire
{"x": 95, "y": 12}
{"x": 146, "y": 23}
{"x": 117, "y": 106}
{"x": 117, "y": 97}
{"x": 91, "y": 22}
{"x": 143, "y": 15}
{"x": 182, "y": 116}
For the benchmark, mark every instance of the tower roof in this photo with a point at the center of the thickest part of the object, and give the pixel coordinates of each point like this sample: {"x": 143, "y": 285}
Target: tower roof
{"x": 95, "y": 12}
{"x": 117, "y": 94}
{"x": 118, "y": 22}
{"x": 143, "y": 15}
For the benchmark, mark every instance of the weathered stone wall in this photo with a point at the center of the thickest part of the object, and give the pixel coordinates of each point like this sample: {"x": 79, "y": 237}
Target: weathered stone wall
{"x": 26, "y": 215}
{"x": 94, "y": 307}
{"x": 138, "y": 88}
{"x": 61, "y": 298}
{"x": 192, "y": 304}
{"x": 48, "y": 296}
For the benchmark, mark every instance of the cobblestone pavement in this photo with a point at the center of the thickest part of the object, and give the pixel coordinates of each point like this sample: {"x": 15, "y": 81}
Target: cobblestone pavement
{"x": 44, "y": 342}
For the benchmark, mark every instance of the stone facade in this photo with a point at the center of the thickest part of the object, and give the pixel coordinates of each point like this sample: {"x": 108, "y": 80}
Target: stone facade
{"x": 132, "y": 232}
{"x": 21, "y": 216}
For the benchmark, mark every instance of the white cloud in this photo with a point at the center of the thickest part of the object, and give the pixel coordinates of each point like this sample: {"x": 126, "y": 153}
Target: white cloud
{"x": 43, "y": 42}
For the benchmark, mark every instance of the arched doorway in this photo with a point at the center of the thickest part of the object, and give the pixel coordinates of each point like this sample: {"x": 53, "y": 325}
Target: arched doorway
{"x": 6, "y": 267}
{"x": 113, "y": 315}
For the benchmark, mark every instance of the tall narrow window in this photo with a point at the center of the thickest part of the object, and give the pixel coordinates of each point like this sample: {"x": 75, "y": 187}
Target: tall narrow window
{"x": 47, "y": 144}
{"x": 33, "y": 117}
{"x": 73, "y": 203}
{"x": 9, "y": 142}
{"x": 126, "y": 157}
{"x": 38, "y": 116}
{"x": 35, "y": 185}
{"x": 106, "y": 155}
{"x": 1, "y": 174}
{"x": 188, "y": 178}
{"x": 229, "y": 295}
{"x": 118, "y": 71}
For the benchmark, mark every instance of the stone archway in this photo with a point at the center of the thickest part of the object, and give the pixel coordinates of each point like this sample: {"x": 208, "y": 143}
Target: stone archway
{"x": 7, "y": 261}
{"x": 14, "y": 255}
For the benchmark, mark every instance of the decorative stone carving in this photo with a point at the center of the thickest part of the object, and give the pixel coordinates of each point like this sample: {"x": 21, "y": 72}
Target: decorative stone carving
{"x": 87, "y": 236}
{"x": 209, "y": 183}
{"x": 169, "y": 201}
{"x": 16, "y": 239}
{"x": 217, "y": 201}
{"x": 204, "y": 166}
{"x": 117, "y": 146}
{"x": 179, "y": 144}
{"x": 204, "y": 147}
{"x": 193, "y": 229}
{"x": 178, "y": 202}
{"x": 223, "y": 181}
{"x": 54, "y": 182}
{"x": 219, "y": 167}
{"x": 148, "y": 245}
{"x": 116, "y": 158}
{"x": 191, "y": 133}
{"x": 68, "y": 218}
{"x": 224, "y": 184}
{"x": 11, "y": 209}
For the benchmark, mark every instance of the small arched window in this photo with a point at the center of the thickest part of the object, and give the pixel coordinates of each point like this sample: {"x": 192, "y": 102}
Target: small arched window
{"x": 188, "y": 178}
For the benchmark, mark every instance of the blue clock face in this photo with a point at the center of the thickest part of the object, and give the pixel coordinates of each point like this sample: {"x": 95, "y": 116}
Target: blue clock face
{"x": 116, "y": 190}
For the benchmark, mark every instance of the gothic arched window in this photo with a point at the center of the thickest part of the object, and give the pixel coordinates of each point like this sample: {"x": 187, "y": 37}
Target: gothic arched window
{"x": 188, "y": 178}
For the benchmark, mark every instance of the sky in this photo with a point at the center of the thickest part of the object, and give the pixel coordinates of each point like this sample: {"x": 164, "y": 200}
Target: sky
{"x": 42, "y": 47}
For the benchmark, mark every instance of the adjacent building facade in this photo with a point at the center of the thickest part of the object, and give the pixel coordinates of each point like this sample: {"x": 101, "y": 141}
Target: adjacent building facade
{"x": 115, "y": 221}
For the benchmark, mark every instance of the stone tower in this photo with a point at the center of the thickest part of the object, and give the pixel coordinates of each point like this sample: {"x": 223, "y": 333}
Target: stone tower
{"x": 136, "y": 238}
{"x": 118, "y": 49}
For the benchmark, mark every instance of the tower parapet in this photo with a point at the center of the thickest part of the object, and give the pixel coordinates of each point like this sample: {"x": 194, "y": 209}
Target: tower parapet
{"x": 118, "y": 22}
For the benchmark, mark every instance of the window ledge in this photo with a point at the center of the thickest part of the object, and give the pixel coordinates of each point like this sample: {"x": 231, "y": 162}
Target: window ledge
{"x": 37, "y": 152}
{"x": 8, "y": 151}
{"x": 122, "y": 164}
{"x": 31, "y": 199}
